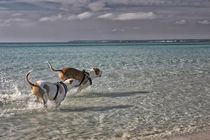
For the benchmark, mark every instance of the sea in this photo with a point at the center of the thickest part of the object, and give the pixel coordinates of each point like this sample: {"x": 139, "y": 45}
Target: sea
{"x": 148, "y": 90}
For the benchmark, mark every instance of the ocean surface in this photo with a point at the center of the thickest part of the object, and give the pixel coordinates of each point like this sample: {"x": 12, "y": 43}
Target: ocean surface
{"x": 148, "y": 90}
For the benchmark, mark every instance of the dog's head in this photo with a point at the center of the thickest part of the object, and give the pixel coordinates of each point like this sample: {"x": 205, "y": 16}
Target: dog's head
{"x": 71, "y": 83}
{"x": 98, "y": 72}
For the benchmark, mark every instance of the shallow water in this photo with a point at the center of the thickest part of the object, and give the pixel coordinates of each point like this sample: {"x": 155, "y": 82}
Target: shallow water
{"x": 146, "y": 91}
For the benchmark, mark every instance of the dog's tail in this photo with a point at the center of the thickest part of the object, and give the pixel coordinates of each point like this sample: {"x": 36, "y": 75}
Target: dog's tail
{"x": 50, "y": 66}
{"x": 31, "y": 84}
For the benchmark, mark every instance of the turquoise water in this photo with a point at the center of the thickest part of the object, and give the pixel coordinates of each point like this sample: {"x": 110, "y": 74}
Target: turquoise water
{"x": 147, "y": 90}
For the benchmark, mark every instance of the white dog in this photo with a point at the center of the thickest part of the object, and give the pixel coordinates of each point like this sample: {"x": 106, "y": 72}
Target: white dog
{"x": 51, "y": 91}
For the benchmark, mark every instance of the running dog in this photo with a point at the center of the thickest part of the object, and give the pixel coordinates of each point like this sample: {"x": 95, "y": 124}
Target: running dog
{"x": 55, "y": 92}
{"x": 84, "y": 77}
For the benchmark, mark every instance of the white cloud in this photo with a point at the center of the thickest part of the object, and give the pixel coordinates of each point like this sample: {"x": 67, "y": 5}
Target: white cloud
{"x": 136, "y": 16}
{"x": 60, "y": 17}
{"x": 84, "y": 15}
{"x": 125, "y": 2}
{"x": 71, "y": 17}
{"x": 59, "y": 1}
{"x": 129, "y": 16}
{"x": 96, "y": 6}
{"x": 51, "y": 18}
{"x": 106, "y": 16}
{"x": 181, "y": 22}
{"x": 159, "y": 2}
{"x": 205, "y": 22}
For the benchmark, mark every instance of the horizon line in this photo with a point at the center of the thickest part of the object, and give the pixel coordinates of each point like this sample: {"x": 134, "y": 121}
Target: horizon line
{"x": 118, "y": 40}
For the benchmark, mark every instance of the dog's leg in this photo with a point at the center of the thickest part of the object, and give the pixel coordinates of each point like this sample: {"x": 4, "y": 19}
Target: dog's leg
{"x": 44, "y": 102}
{"x": 81, "y": 88}
{"x": 45, "y": 105}
{"x": 57, "y": 104}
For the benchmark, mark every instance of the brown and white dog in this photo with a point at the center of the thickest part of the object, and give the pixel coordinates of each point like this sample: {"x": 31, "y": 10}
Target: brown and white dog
{"x": 84, "y": 77}
{"x": 55, "y": 92}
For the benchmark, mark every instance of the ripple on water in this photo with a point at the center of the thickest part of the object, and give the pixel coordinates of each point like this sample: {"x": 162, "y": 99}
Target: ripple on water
{"x": 144, "y": 93}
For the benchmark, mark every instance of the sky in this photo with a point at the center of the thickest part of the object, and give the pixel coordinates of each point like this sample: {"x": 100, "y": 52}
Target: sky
{"x": 67, "y": 20}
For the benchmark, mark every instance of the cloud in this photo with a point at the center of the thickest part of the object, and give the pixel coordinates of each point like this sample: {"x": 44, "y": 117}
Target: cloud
{"x": 106, "y": 16}
{"x": 84, "y": 15}
{"x": 136, "y": 16}
{"x": 181, "y": 22}
{"x": 179, "y": 3}
{"x": 109, "y": 16}
{"x": 51, "y": 18}
{"x": 81, "y": 16}
{"x": 120, "y": 2}
{"x": 71, "y": 17}
{"x": 21, "y": 6}
{"x": 61, "y": 17}
{"x": 136, "y": 2}
{"x": 96, "y": 6}
{"x": 205, "y": 22}
{"x": 129, "y": 16}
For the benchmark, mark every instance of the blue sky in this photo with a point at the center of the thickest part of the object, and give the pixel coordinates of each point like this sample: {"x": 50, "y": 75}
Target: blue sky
{"x": 65, "y": 20}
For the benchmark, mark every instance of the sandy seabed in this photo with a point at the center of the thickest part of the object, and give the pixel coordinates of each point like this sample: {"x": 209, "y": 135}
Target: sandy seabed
{"x": 196, "y": 136}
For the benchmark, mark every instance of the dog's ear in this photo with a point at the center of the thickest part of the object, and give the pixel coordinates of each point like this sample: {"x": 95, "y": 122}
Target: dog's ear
{"x": 97, "y": 71}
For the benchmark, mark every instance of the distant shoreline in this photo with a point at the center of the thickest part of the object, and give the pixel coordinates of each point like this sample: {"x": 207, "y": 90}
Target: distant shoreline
{"x": 97, "y": 43}
{"x": 121, "y": 41}
{"x": 158, "y": 40}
